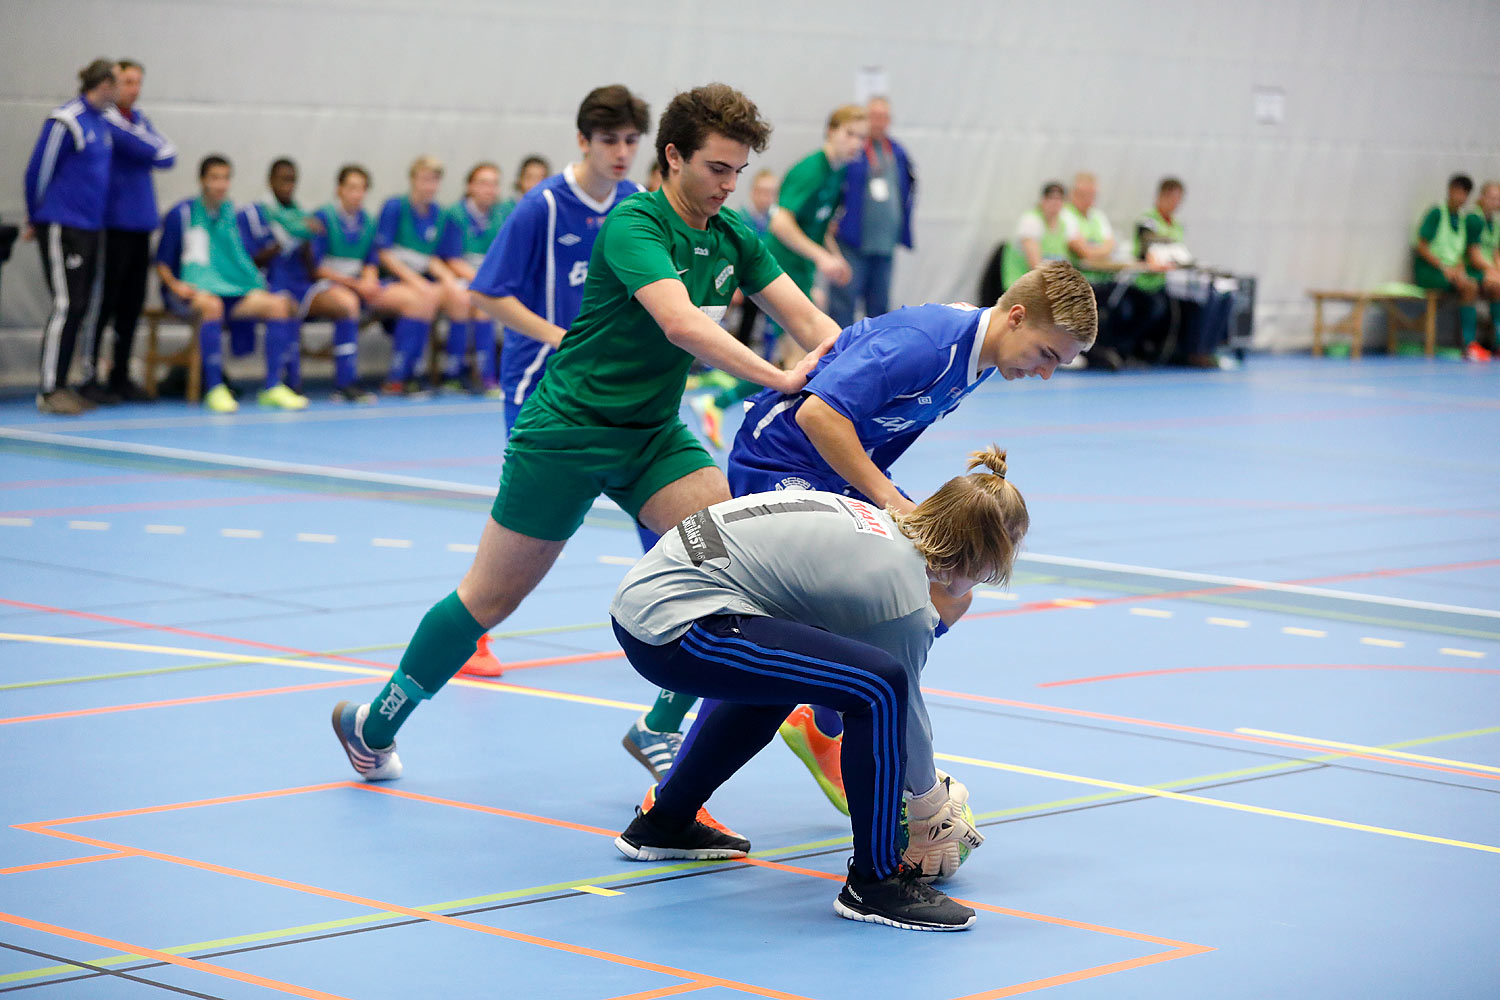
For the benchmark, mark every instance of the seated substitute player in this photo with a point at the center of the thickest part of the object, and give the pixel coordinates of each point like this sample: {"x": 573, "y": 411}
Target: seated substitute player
{"x": 883, "y": 383}
{"x": 605, "y": 419}
{"x": 751, "y": 603}
{"x": 532, "y": 276}
{"x": 279, "y": 236}
{"x": 469, "y": 228}
{"x": 207, "y": 276}
{"x": 406, "y": 240}
{"x": 344, "y": 254}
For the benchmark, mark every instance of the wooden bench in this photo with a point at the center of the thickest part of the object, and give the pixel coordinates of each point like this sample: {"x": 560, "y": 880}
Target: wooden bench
{"x": 1397, "y": 320}
{"x": 188, "y": 355}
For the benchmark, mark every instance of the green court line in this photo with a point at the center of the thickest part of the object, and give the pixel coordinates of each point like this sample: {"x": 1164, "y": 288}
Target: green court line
{"x": 151, "y": 671}
{"x": 458, "y": 904}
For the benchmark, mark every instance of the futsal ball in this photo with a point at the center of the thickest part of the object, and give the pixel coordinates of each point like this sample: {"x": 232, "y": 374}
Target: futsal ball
{"x": 964, "y": 850}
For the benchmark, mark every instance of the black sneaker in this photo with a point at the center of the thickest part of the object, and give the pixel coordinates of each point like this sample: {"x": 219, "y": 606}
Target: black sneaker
{"x": 98, "y": 394}
{"x": 129, "y": 392}
{"x": 643, "y": 840}
{"x": 353, "y": 394}
{"x": 900, "y": 900}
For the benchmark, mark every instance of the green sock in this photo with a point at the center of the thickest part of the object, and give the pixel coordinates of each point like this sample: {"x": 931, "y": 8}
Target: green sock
{"x": 740, "y": 391}
{"x": 1468, "y": 319}
{"x": 666, "y": 715}
{"x": 442, "y": 644}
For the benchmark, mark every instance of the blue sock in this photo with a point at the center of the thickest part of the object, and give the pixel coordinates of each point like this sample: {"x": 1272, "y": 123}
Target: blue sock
{"x": 292, "y": 360}
{"x": 648, "y": 537}
{"x": 485, "y": 357}
{"x": 410, "y": 337}
{"x": 458, "y": 343}
{"x": 829, "y": 722}
{"x": 211, "y": 346}
{"x": 279, "y": 334}
{"x": 345, "y": 347}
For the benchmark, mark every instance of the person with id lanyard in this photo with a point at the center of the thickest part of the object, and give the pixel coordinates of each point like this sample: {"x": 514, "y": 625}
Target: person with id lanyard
{"x": 878, "y": 193}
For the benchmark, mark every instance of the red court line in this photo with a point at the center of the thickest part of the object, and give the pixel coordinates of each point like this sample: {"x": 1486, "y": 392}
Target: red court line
{"x": 695, "y": 981}
{"x": 59, "y": 864}
{"x": 1165, "y": 671}
{"x": 1201, "y": 731}
{"x": 162, "y": 956}
{"x": 199, "y": 700}
{"x": 191, "y": 633}
{"x": 140, "y": 477}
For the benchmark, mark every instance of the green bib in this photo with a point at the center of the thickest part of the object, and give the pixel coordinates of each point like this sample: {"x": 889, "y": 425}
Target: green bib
{"x": 288, "y": 222}
{"x": 347, "y": 252}
{"x": 213, "y": 256}
{"x": 477, "y": 241}
{"x": 416, "y": 240}
{"x": 1449, "y": 244}
{"x": 1091, "y": 228}
{"x": 1167, "y": 232}
{"x": 1054, "y": 246}
{"x": 1489, "y": 236}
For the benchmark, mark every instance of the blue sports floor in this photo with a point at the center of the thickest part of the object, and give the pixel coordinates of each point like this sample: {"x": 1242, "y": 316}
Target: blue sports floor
{"x": 1233, "y": 732}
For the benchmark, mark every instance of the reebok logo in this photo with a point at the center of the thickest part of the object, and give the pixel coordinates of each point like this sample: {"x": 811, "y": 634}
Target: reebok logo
{"x": 852, "y": 894}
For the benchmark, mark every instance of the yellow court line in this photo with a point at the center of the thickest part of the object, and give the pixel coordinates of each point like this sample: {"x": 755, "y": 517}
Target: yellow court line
{"x": 596, "y": 891}
{"x": 1363, "y": 749}
{"x": 137, "y": 647}
{"x": 1218, "y": 803}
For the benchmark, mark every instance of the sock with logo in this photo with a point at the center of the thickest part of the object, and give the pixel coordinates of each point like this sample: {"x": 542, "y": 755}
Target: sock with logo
{"x": 458, "y": 343}
{"x": 440, "y": 647}
{"x": 667, "y": 714}
{"x": 410, "y": 335}
{"x": 485, "y": 358}
{"x": 211, "y": 348}
{"x": 345, "y": 350}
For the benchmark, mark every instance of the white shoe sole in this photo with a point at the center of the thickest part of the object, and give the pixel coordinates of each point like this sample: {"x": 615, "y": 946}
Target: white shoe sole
{"x": 646, "y": 853}
{"x": 874, "y": 918}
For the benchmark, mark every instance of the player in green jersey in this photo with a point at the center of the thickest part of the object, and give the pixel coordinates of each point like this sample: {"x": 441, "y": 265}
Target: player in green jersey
{"x": 605, "y": 419}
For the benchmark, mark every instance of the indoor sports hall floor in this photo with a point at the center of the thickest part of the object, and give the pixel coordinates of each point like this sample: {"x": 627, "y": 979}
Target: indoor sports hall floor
{"x": 1234, "y": 731}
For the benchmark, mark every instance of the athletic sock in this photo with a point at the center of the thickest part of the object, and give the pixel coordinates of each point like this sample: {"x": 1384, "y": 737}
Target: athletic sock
{"x": 279, "y": 335}
{"x": 345, "y": 349}
{"x": 829, "y": 722}
{"x": 667, "y": 714}
{"x": 443, "y": 642}
{"x": 1468, "y": 318}
{"x": 211, "y": 347}
{"x": 458, "y": 343}
{"x": 410, "y": 336}
{"x": 485, "y": 356}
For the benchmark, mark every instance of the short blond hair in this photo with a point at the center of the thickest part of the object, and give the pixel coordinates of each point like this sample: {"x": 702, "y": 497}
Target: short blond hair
{"x": 425, "y": 162}
{"x": 845, "y": 114}
{"x": 1056, "y": 295}
{"x": 973, "y": 525}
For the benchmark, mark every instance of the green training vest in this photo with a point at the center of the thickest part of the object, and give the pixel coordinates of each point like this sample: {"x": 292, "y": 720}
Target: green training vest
{"x": 345, "y": 255}
{"x": 1449, "y": 244}
{"x": 1054, "y": 246}
{"x": 213, "y": 257}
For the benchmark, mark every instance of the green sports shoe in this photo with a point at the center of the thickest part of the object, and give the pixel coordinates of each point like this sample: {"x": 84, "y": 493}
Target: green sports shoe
{"x": 282, "y": 398}
{"x": 220, "y": 400}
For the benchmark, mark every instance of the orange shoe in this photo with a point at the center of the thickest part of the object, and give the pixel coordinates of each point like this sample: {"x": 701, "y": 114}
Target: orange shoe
{"x": 1476, "y": 352}
{"x": 820, "y": 753}
{"x": 703, "y": 814}
{"x": 483, "y": 662}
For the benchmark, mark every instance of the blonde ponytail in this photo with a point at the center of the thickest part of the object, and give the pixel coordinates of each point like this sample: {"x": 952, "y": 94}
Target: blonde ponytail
{"x": 973, "y": 525}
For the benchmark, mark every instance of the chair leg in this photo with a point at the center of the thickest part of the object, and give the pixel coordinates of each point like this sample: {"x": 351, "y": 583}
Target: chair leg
{"x": 1317, "y": 326}
{"x": 195, "y": 363}
{"x": 1357, "y": 320}
{"x": 1429, "y": 325}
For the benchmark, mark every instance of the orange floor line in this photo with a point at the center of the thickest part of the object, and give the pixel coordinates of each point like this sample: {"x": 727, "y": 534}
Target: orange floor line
{"x": 60, "y": 864}
{"x": 162, "y": 956}
{"x": 1090, "y": 973}
{"x": 475, "y": 807}
{"x": 438, "y": 918}
{"x": 199, "y": 700}
{"x": 43, "y": 826}
{"x": 1201, "y": 731}
{"x": 666, "y": 991}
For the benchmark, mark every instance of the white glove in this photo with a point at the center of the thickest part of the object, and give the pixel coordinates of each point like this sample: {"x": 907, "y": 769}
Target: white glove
{"x": 958, "y": 792}
{"x": 938, "y": 836}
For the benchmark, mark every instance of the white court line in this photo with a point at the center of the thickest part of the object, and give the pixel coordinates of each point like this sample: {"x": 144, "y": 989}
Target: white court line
{"x": 165, "y": 529}
{"x": 1151, "y": 612}
{"x": 391, "y": 543}
{"x": 1472, "y": 654}
{"x": 1387, "y": 643}
{"x": 16, "y": 522}
{"x": 89, "y": 525}
{"x": 997, "y": 595}
{"x": 1375, "y": 750}
{"x": 1311, "y": 633}
{"x": 1235, "y": 581}
{"x": 469, "y": 547}
{"x": 242, "y": 532}
{"x": 1229, "y": 622}
{"x": 313, "y": 536}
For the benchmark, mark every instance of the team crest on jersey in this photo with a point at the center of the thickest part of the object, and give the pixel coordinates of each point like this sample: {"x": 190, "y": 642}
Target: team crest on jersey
{"x": 570, "y": 239}
{"x": 722, "y": 278}
{"x": 794, "y": 483}
{"x": 866, "y": 518}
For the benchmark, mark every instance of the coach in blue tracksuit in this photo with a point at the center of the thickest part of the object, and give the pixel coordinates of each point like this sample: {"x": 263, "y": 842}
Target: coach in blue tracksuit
{"x": 66, "y": 183}
{"x": 130, "y": 216}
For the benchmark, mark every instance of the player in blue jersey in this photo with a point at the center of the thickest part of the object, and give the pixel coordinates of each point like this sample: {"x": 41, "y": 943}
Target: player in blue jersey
{"x": 532, "y": 277}
{"x": 885, "y": 381}
{"x": 469, "y": 228}
{"x": 406, "y": 239}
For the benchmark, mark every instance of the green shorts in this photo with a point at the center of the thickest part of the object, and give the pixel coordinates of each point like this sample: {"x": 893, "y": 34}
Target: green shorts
{"x": 554, "y": 470}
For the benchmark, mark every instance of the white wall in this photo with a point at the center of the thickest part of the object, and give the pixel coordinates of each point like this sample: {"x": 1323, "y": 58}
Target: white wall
{"x": 1384, "y": 99}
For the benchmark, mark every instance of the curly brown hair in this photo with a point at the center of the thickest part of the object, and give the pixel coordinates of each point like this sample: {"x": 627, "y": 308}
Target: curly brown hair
{"x": 713, "y": 108}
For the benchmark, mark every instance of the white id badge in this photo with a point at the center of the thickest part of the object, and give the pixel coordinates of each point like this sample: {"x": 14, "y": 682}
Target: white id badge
{"x": 879, "y": 189}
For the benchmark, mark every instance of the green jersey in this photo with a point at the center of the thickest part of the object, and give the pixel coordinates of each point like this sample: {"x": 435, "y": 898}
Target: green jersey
{"x": 615, "y": 366}
{"x": 811, "y": 191}
{"x": 1446, "y": 238}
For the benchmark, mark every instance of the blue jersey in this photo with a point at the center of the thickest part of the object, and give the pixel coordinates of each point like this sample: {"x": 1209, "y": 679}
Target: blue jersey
{"x": 67, "y": 178}
{"x": 139, "y": 149}
{"x": 347, "y": 242}
{"x": 411, "y": 235}
{"x": 288, "y": 271}
{"x": 892, "y": 377}
{"x": 542, "y": 258}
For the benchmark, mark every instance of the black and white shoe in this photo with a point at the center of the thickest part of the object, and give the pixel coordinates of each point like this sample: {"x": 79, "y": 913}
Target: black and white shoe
{"x": 901, "y": 900}
{"x": 644, "y": 840}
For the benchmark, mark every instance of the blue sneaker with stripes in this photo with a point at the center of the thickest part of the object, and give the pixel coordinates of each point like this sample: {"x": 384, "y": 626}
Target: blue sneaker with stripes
{"x": 370, "y": 764}
{"x": 656, "y": 751}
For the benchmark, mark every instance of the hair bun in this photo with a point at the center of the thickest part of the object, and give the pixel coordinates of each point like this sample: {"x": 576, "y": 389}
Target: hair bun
{"x": 992, "y": 458}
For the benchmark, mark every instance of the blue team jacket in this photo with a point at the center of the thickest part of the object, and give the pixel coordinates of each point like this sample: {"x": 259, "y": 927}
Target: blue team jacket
{"x": 67, "y": 177}
{"x": 139, "y": 149}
